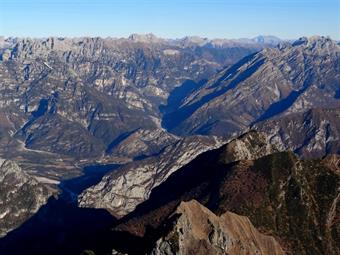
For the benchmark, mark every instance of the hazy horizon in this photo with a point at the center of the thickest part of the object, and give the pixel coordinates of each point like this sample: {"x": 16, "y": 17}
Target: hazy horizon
{"x": 212, "y": 19}
{"x": 165, "y": 38}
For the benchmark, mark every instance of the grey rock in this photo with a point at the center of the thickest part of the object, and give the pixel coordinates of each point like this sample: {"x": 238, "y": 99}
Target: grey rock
{"x": 311, "y": 134}
{"x": 20, "y": 196}
{"x": 122, "y": 190}
{"x": 97, "y": 89}
{"x": 271, "y": 83}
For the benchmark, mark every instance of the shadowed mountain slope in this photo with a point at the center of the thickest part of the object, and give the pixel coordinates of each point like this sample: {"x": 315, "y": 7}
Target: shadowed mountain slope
{"x": 274, "y": 82}
{"x": 291, "y": 199}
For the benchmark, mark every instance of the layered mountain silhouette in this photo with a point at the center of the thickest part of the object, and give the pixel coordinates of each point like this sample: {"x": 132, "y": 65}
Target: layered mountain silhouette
{"x": 145, "y": 145}
{"x": 274, "y": 82}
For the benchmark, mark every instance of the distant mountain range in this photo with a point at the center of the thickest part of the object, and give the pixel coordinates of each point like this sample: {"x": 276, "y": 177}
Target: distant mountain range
{"x": 228, "y": 136}
{"x": 273, "y": 82}
{"x": 98, "y": 88}
{"x": 187, "y": 40}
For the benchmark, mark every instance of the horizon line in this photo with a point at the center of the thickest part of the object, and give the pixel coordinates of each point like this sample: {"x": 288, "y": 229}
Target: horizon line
{"x": 168, "y": 38}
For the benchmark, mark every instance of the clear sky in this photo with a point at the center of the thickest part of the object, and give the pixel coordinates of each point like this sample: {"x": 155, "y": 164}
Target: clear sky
{"x": 287, "y": 19}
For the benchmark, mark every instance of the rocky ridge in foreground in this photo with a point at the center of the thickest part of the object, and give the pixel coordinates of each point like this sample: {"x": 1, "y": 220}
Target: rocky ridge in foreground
{"x": 196, "y": 230}
{"x": 21, "y": 196}
{"x": 122, "y": 190}
{"x": 293, "y": 200}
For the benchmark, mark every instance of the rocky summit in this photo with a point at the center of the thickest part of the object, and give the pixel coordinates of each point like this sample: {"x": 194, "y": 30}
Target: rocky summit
{"x": 197, "y": 230}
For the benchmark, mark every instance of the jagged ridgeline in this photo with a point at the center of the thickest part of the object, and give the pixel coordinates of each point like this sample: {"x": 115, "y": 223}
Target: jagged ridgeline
{"x": 144, "y": 145}
{"x": 100, "y": 88}
{"x": 295, "y": 201}
{"x": 275, "y": 82}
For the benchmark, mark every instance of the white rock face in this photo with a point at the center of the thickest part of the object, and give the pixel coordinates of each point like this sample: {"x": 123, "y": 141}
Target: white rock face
{"x": 249, "y": 146}
{"x": 20, "y": 196}
{"x": 122, "y": 191}
{"x": 143, "y": 142}
{"x": 314, "y": 133}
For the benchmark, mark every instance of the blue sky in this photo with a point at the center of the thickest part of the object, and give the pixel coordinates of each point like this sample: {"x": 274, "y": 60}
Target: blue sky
{"x": 170, "y": 18}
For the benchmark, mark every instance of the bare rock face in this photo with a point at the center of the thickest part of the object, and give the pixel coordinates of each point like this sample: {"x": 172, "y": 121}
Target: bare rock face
{"x": 332, "y": 161}
{"x": 273, "y": 82}
{"x": 314, "y": 133}
{"x": 196, "y": 230}
{"x": 20, "y": 196}
{"x": 122, "y": 190}
{"x": 251, "y": 145}
{"x": 141, "y": 143}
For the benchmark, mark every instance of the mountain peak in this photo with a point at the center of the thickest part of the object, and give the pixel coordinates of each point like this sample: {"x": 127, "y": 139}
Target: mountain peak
{"x": 195, "y": 40}
{"x": 198, "y": 230}
{"x": 267, "y": 39}
{"x": 145, "y": 38}
{"x": 314, "y": 41}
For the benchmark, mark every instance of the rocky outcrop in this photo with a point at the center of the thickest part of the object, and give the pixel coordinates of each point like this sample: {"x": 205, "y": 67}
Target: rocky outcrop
{"x": 141, "y": 143}
{"x": 122, "y": 190}
{"x": 332, "y": 162}
{"x": 196, "y": 230}
{"x": 20, "y": 196}
{"x": 310, "y": 134}
{"x": 250, "y": 145}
